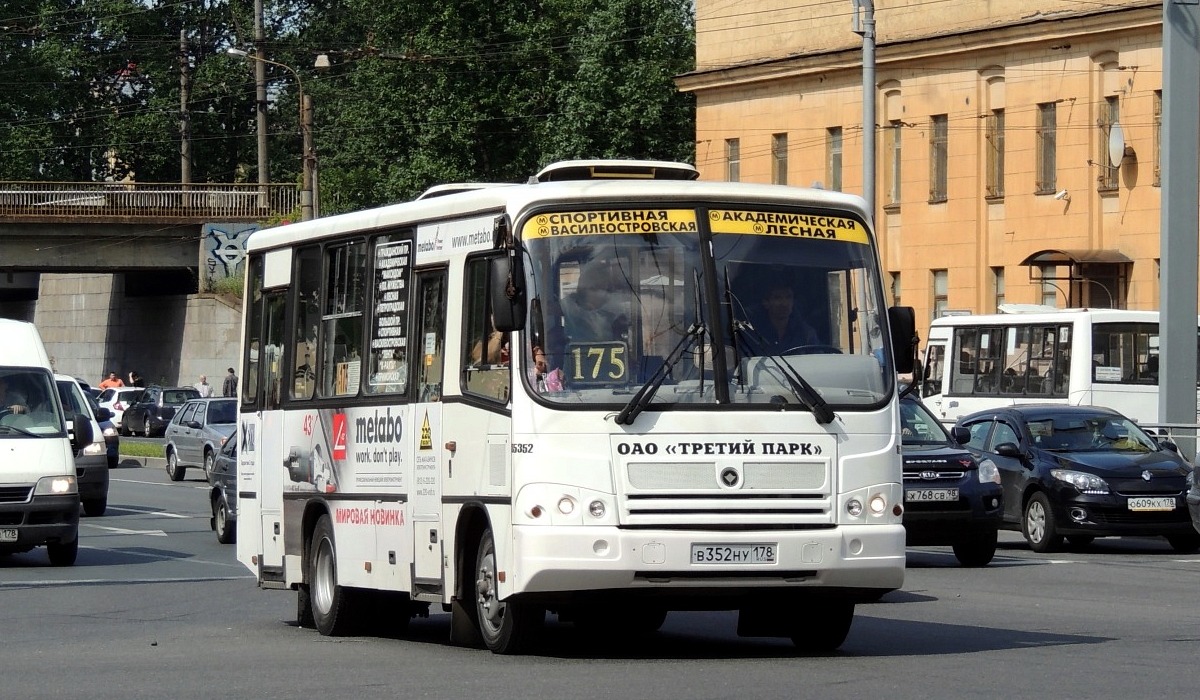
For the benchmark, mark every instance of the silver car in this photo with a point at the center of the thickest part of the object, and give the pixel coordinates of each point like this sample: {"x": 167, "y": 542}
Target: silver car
{"x": 196, "y": 432}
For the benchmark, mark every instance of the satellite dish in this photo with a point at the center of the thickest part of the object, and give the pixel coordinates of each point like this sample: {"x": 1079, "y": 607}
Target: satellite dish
{"x": 1116, "y": 145}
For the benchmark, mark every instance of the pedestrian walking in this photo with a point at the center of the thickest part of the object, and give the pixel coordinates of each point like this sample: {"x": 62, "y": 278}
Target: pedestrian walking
{"x": 229, "y": 387}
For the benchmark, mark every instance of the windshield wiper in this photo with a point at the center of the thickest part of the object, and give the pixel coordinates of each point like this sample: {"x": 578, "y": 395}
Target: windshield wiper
{"x": 15, "y": 429}
{"x": 804, "y": 391}
{"x": 643, "y": 396}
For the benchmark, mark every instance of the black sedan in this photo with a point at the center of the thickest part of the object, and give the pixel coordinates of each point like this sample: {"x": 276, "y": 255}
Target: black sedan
{"x": 222, "y": 492}
{"x": 154, "y": 409}
{"x": 1083, "y": 472}
{"x": 949, "y": 497}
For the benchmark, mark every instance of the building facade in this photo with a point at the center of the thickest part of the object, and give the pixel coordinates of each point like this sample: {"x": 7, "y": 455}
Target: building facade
{"x": 1017, "y": 142}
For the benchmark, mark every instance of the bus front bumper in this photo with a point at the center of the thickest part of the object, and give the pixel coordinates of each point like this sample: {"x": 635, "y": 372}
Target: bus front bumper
{"x": 604, "y": 558}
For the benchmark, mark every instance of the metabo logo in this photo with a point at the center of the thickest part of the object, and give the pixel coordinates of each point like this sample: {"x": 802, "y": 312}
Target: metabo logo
{"x": 379, "y": 428}
{"x": 339, "y": 436}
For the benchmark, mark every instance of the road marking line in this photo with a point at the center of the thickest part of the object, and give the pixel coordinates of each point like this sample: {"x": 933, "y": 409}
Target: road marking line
{"x": 146, "y": 511}
{"x": 92, "y": 581}
{"x": 126, "y": 531}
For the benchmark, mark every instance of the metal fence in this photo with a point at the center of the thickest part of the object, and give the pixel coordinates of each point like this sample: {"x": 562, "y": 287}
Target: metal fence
{"x": 123, "y": 200}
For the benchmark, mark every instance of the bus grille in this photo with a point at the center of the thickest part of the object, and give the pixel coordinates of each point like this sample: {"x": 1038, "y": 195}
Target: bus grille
{"x": 699, "y": 494}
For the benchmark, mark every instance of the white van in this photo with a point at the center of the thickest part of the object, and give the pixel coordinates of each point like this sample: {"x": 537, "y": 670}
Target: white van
{"x": 39, "y": 490}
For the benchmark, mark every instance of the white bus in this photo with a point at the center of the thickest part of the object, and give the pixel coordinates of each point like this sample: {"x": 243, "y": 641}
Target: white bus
{"x": 1102, "y": 357}
{"x": 440, "y": 408}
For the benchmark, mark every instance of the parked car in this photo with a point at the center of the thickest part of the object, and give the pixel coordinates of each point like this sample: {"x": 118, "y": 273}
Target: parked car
{"x": 950, "y": 498}
{"x": 91, "y": 462}
{"x": 1083, "y": 472}
{"x": 156, "y": 406}
{"x": 117, "y": 399}
{"x": 197, "y": 431}
{"x": 222, "y": 492}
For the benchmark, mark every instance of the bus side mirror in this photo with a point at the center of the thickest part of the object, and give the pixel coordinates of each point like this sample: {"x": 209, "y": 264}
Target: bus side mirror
{"x": 507, "y": 276}
{"x": 903, "y": 322}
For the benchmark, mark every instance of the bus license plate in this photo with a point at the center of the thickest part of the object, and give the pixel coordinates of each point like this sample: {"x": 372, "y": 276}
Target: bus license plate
{"x": 762, "y": 553}
{"x": 1152, "y": 504}
{"x": 8, "y": 534}
{"x": 924, "y": 495}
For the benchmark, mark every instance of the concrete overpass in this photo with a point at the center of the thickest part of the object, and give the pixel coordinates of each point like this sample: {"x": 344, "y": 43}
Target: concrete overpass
{"x": 119, "y": 276}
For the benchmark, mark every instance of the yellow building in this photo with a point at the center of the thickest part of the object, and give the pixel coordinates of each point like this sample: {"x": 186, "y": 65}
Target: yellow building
{"x": 996, "y": 124}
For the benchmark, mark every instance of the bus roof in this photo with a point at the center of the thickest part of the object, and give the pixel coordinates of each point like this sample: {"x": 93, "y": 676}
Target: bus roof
{"x": 516, "y": 198}
{"x": 1047, "y": 316}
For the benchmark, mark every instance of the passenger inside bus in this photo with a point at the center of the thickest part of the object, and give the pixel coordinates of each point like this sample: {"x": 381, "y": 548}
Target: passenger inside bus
{"x": 591, "y": 312}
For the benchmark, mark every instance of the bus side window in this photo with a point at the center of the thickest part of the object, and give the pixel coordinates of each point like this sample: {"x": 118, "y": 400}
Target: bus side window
{"x": 935, "y": 363}
{"x": 431, "y": 326}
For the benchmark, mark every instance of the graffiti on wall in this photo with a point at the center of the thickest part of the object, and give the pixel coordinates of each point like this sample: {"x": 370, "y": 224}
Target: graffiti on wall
{"x": 224, "y": 251}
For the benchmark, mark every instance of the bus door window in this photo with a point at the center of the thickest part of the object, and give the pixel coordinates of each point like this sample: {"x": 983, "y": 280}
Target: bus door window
{"x": 485, "y": 350}
{"x": 1016, "y": 361}
{"x": 308, "y": 321}
{"x": 342, "y": 333}
{"x": 387, "y": 371}
{"x": 962, "y": 376}
{"x": 990, "y": 361}
{"x": 935, "y": 368}
{"x": 273, "y": 345}
{"x": 431, "y": 324}
{"x": 253, "y": 332}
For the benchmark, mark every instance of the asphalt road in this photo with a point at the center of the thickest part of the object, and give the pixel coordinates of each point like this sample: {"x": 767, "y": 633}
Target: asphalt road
{"x": 156, "y": 608}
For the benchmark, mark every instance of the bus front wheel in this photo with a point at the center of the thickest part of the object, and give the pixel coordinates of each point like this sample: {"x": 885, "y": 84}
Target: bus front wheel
{"x": 332, "y": 604}
{"x": 507, "y": 627}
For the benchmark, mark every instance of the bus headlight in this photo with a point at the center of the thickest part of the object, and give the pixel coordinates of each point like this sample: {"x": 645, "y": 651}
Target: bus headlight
{"x": 854, "y": 507}
{"x": 566, "y": 505}
{"x": 878, "y": 504}
{"x": 55, "y": 486}
{"x": 597, "y": 509}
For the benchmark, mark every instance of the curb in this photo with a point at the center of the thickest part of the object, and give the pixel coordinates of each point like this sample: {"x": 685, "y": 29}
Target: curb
{"x": 150, "y": 462}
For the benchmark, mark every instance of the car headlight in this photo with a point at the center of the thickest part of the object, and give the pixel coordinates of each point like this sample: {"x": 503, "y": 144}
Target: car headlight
{"x": 110, "y": 432}
{"x": 96, "y": 448}
{"x": 989, "y": 473}
{"x": 56, "y": 486}
{"x": 1086, "y": 483}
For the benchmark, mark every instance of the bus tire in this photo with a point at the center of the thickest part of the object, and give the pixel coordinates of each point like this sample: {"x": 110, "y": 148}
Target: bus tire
{"x": 824, "y": 627}
{"x": 333, "y": 605}
{"x": 507, "y": 627}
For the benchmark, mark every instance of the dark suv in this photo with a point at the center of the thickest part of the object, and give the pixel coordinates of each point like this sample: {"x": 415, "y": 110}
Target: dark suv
{"x": 154, "y": 409}
{"x": 949, "y": 497}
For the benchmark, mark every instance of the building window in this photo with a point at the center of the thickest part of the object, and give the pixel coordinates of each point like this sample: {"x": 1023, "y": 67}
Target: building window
{"x": 779, "y": 159}
{"x": 994, "y": 137}
{"x": 733, "y": 160}
{"x": 1047, "y": 137}
{"x": 938, "y": 157}
{"x": 1049, "y": 289}
{"x": 891, "y": 169}
{"x": 998, "y": 286}
{"x": 1157, "y": 138}
{"x": 895, "y": 289}
{"x": 1109, "y": 115}
{"x": 833, "y": 158}
{"x": 941, "y": 292}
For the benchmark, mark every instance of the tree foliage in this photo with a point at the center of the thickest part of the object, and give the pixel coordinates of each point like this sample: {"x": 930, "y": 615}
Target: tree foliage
{"x": 418, "y": 93}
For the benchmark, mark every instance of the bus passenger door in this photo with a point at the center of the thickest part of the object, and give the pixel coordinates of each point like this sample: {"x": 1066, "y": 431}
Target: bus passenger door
{"x": 429, "y": 452}
{"x": 270, "y": 438}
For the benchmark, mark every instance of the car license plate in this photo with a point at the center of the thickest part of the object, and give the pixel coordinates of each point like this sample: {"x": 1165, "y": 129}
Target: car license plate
{"x": 923, "y": 495}
{"x": 1152, "y": 504}
{"x": 8, "y": 534}
{"x": 761, "y": 553}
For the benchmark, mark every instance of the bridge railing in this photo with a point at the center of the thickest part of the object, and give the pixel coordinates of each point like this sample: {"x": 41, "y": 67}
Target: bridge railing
{"x": 149, "y": 200}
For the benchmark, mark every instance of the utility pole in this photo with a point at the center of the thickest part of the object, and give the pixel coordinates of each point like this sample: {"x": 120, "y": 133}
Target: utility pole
{"x": 864, "y": 25}
{"x": 260, "y": 96}
{"x": 185, "y": 127}
{"x": 307, "y": 195}
{"x": 1180, "y": 222}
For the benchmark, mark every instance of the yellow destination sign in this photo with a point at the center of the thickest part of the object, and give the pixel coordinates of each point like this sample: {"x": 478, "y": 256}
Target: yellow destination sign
{"x": 617, "y": 221}
{"x": 792, "y": 225}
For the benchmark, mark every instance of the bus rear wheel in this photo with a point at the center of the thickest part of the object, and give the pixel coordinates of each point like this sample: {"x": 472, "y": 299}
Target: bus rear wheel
{"x": 333, "y": 605}
{"x": 507, "y": 627}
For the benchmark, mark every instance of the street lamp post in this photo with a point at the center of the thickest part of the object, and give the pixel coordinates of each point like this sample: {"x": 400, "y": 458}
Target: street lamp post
{"x": 309, "y": 158}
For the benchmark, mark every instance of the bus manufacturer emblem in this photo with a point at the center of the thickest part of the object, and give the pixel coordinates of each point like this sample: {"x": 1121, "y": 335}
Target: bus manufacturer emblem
{"x": 729, "y": 477}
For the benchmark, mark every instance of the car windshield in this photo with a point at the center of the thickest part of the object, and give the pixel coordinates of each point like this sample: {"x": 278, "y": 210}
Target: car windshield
{"x": 222, "y": 412}
{"x": 919, "y": 427}
{"x": 1090, "y": 433}
{"x": 29, "y": 404}
{"x": 622, "y": 303}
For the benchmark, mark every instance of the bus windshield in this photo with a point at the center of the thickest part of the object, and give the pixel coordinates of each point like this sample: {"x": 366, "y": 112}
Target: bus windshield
{"x": 619, "y": 302}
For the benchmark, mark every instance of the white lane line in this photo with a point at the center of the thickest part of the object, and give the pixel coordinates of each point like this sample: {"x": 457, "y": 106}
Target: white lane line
{"x": 93, "y": 581}
{"x": 173, "y": 485}
{"x": 126, "y": 531}
{"x": 150, "y": 511}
